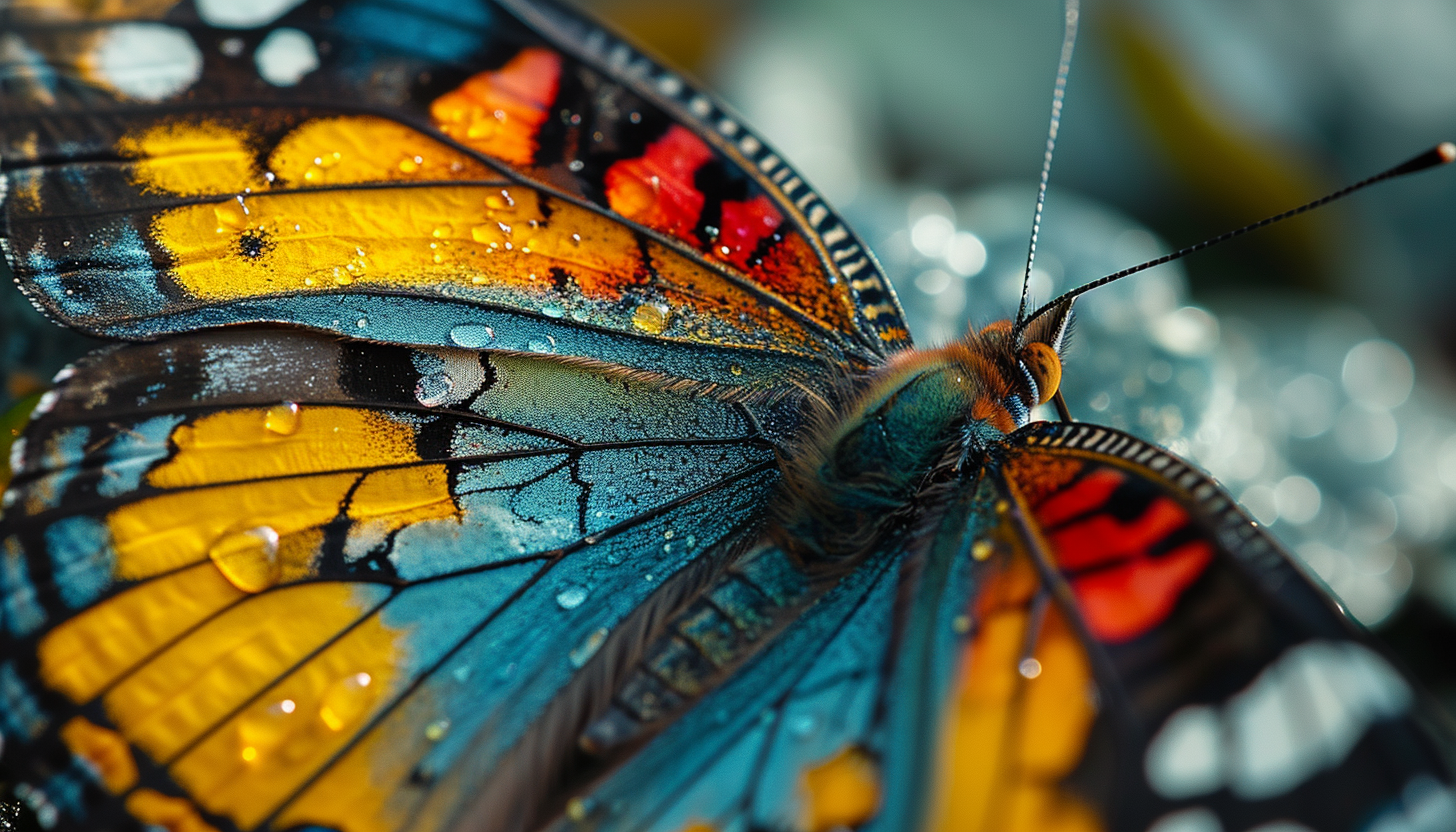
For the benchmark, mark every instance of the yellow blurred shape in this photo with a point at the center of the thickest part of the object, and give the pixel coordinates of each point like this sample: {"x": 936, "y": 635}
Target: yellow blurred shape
{"x": 842, "y": 791}
{"x": 190, "y": 158}
{"x": 104, "y": 750}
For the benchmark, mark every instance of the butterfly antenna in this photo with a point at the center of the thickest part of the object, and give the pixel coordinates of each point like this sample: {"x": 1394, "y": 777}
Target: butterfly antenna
{"x": 1441, "y": 154}
{"x": 1059, "y": 92}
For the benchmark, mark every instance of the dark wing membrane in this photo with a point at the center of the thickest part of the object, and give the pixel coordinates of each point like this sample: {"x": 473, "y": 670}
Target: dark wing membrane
{"x": 1177, "y": 671}
{"x": 430, "y": 173}
{"x": 267, "y": 579}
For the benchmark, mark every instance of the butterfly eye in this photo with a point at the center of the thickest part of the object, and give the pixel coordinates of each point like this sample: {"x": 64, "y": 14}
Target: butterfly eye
{"x": 1043, "y": 369}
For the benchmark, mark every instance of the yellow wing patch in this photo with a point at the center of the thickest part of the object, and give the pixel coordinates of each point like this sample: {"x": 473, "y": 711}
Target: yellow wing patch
{"x": 191, "y": 159}
{"x": 255, "y": 760}
{"x": 186, "y": 689}
{"x": 354, "y": 149}
{"x": 104, "y": 750}
{"x": 841, "y": 792}
{"x": 86, "y": 653}
{"x": 159, "y": 811}
{"x": 1017, "y": 730}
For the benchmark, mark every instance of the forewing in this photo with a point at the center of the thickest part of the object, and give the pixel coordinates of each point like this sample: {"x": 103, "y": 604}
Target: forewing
{"x": 262, "y": 579}
{"x": 1158, "y": 662}
{"x": 502, "y": 175}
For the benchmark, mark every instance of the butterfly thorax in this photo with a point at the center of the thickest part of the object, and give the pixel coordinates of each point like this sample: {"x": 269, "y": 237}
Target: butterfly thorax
{"x": 864, "y": 465}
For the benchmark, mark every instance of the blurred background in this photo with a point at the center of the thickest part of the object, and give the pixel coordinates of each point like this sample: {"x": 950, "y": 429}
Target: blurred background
{"x": 1308, "y": 367}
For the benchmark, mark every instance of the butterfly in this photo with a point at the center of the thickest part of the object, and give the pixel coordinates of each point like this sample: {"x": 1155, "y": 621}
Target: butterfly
{"x": 505, "y": 437}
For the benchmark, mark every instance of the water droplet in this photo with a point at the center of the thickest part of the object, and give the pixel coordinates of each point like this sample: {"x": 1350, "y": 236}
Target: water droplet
{"x": 538, "y": 345}
{"x": 576, "y": 165}
{"x": 282, "y": 419}
{"x": 982, "y": 549}
{"x": 441, "y": 231}
{"x": 668, "y": 534}
{"x": 496, "y": 201}
{"x": 248, "y": 559}
{"x": 651, "y": 318}
{"x": 589, "y": 540}
{"x": 408, "y": 166}
{"x": 260, "y": 732}
{"x": 362, "y": 322}
{"x": 434, "y": 389}
{"x": 346, "y": 700}
{"x": 588, "y": 647}
{"x": 472, "y": 336}
{"x": 435, "y": 731}
{"x": 571, "y": 597}
{"x": 551, "y": 310}
{"x": 1029, "y": 668}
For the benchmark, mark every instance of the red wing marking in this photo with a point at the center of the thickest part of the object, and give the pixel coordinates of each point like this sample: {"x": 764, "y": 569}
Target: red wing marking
{"x": 745, "y": 224}
{"x": 1092, "y": 492}
{"x": 500, "y": 112}
{"x": 1123, "y": 574}
{"x": 656, "y": 189}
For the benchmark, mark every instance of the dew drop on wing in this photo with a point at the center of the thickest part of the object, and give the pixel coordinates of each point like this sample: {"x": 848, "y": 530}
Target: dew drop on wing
{"x": 472, "y": 336}
{"x": 434, "y": 389}
{"x": 571, "y": 597}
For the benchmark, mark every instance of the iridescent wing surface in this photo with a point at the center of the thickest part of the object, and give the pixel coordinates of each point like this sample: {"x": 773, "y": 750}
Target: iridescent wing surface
{"x": 271, "y": 578}
{"x": 495, "y": 175}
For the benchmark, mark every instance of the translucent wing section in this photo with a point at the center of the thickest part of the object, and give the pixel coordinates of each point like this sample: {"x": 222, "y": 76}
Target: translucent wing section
{"x": 1145, "y": 657}
{"x": 451, "y": 174}
{"x": 271, "y": 579}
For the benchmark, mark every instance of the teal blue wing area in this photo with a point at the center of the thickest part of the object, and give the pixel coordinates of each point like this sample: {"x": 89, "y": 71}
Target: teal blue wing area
{"x": 837, "y": 721}
{"x": 263, "y": 579}
{"x": 477, "y": 174}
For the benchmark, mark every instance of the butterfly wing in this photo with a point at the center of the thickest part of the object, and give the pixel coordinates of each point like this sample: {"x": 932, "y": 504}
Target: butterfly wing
{"x": 1091, "y": 637}
{"x": 270, "y": 578}
{"x": 499, "y": 175}
{"x": 1146, "y": 657}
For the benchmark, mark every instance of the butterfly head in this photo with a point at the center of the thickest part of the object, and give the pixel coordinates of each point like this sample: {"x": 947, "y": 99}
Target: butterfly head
{"x": 1026, "y": 359}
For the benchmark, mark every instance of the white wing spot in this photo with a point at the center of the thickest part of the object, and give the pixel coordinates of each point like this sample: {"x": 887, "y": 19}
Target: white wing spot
{"x": 146, "y": 61}
{"x": 1303, "y": 714}
{"x": 242, "y": 14}
{"x": 285, "y": 56}
{"x": 1186, "y": 756}
{"x": 1197, "y": 819}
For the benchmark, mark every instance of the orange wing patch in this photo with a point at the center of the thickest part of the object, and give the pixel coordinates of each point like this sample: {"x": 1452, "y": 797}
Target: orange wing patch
{"x": 1017, "y": 729}
{"x": 500, "y": 112}
{"x": 104, "y": 750}
{"x": 841, "y": 792}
